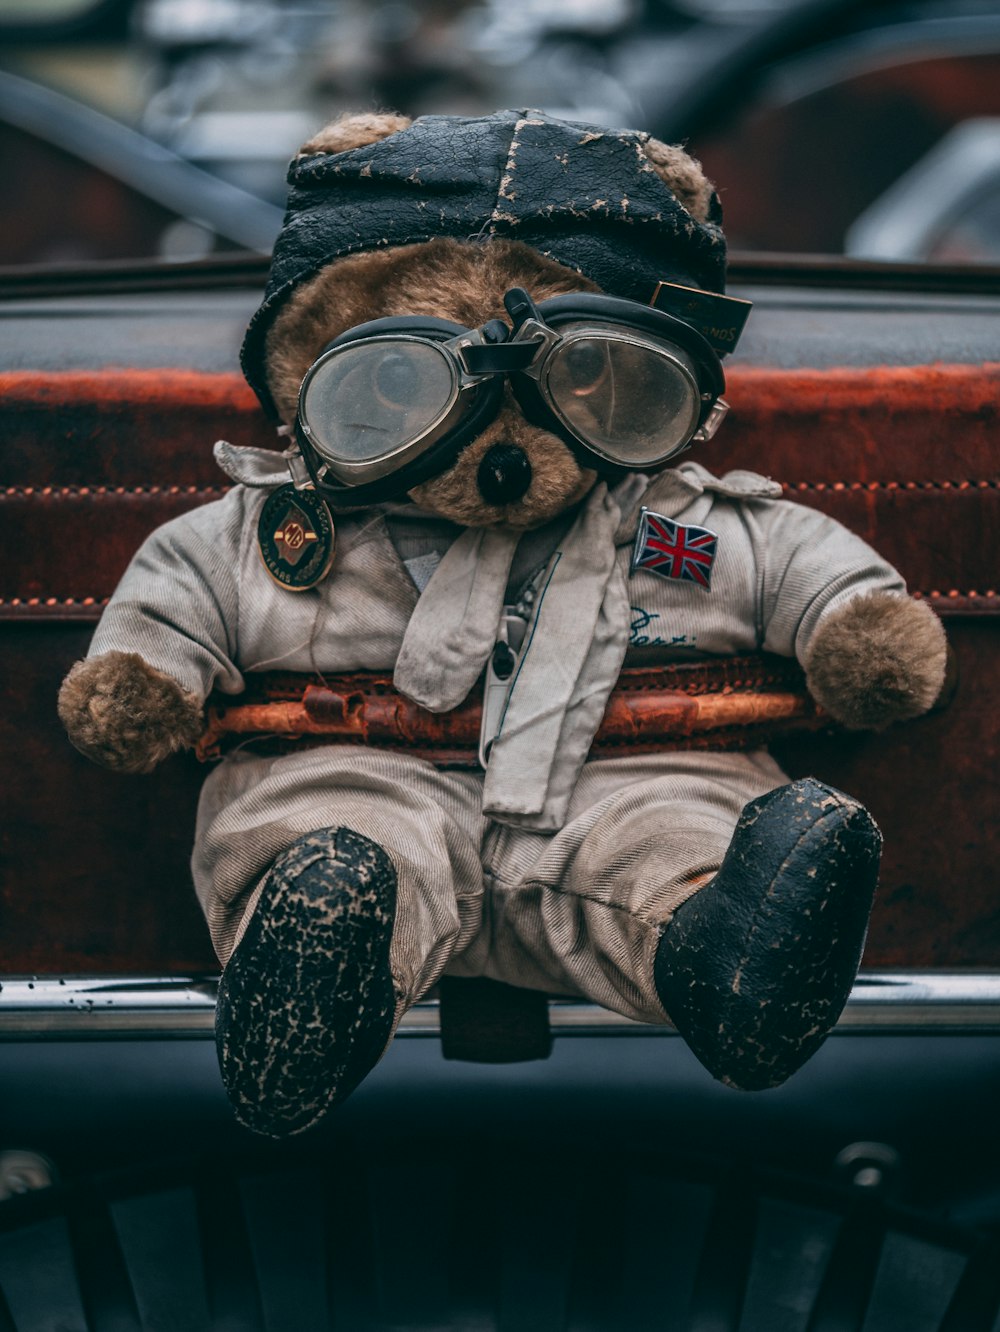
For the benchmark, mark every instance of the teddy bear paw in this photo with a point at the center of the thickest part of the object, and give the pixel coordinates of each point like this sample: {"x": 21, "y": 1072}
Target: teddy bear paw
{"x": 125, "y": 714}
{"x": 756, "y": 968}
{"x": 878, "y": 659}
{"x": 306, "y": 1006}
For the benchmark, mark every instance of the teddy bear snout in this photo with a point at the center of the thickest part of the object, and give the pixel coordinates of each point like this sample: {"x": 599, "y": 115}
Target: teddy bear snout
{"x": 504, "y": 474}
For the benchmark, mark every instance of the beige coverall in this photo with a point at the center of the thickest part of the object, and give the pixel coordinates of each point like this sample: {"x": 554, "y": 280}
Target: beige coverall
{"x": 550, "y": 872}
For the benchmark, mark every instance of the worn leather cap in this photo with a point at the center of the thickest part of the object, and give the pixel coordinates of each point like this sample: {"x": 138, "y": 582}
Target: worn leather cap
{"x": 585, "y": 196}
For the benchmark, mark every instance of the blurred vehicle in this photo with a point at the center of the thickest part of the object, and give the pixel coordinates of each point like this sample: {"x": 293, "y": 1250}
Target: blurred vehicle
{"x": 946, "y": 207}
{"x": 818, "y": 137}
{"x": 90, "y": 188}
{"x": 807, "y": 112}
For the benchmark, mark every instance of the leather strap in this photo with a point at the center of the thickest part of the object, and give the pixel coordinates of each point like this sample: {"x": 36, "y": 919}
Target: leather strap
{"x": 730, "y": 703}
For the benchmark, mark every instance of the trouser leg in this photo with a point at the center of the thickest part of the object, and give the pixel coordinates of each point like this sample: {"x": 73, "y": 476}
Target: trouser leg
{"x": 368, "y": 878}
{"x": 582, "y": 912}
{"x": 739, "y": 913}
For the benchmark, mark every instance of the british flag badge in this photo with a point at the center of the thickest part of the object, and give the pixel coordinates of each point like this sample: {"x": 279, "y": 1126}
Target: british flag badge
{"x": 673, "y": 550}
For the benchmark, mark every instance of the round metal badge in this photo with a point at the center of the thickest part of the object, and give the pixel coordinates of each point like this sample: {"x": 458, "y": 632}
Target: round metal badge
{"x": 296, "y": 538}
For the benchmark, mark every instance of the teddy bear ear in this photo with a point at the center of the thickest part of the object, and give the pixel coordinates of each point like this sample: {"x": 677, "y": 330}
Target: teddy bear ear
{"x": 691, "y": 187}
{"x": 354, "y": 131}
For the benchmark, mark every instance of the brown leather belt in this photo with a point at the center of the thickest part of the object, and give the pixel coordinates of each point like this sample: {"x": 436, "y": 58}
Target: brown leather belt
{"x": 731, "y": 703}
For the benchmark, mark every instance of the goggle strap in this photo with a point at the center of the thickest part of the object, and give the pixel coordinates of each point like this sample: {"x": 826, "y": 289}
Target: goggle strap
{"x": 719, "y": 319}
{"x": 520, "y": 307}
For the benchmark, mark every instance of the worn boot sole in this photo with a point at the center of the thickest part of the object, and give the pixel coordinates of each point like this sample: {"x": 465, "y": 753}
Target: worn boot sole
{"x": 756, "y": 968}
{"x": 306, "y": 1004}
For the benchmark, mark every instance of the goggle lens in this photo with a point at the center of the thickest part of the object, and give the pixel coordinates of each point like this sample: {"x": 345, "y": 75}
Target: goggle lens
{"x": 630, "y": 401}
{"x": 391, "y": 402}
{"x": 367, "y": 401}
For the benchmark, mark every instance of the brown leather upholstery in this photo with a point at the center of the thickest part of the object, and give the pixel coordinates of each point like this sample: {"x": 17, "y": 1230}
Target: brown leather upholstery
{"x": 95, "y": 865}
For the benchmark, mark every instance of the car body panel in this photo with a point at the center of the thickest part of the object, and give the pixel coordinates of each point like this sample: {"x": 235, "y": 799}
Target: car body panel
{"x": 878, "y": 407}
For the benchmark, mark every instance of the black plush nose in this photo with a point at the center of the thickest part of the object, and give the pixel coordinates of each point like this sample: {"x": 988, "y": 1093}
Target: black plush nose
{"x": 504, "y": 474}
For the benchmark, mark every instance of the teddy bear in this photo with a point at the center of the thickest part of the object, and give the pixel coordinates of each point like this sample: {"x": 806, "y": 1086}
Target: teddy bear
{"x": 482, "y": 401}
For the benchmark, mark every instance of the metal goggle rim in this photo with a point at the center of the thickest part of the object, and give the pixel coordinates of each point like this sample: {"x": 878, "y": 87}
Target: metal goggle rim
{"x": 345, "y": 473}
{"x": 702, "y": 426}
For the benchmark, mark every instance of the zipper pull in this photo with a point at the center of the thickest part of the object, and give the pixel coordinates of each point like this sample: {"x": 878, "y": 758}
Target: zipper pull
{"x": 500, "y": 672}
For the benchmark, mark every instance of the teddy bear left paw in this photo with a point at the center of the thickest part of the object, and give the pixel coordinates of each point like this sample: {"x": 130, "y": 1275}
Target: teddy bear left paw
{"x": 877, "y": 660}
{"x": 125, "y": 714}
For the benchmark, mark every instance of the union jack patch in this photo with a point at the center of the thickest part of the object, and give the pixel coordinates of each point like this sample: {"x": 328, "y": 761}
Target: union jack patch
{"x": 668, "y": 548}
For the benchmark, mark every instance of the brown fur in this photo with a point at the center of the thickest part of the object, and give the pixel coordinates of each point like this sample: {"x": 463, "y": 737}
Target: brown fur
{"x": 465, "y": 282}
{"x": 124, "y": 714}
{"x": 692, "y": 189}
{"x": 557, "y": 478}
{"x": 879, "y": 659}
{"x": 354, "y": 131}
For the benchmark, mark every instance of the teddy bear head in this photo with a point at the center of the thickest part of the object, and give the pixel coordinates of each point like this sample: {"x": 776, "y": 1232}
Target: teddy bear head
{"x": 439, "y": 219}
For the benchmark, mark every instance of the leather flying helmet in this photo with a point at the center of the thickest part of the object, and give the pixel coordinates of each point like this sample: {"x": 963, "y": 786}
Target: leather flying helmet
{"x": 585, "y": 196}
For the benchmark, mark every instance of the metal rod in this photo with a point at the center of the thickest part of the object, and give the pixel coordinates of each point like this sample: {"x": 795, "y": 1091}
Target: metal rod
{"x": 95, "y": 1007}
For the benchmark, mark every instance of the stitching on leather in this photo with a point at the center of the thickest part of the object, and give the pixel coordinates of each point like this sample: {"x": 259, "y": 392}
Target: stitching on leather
{"x": 694, "y": 688}
{"x": 506, "y": 178}
{"x": 54, "y": 601}
{"x": 952, "y": 594}
{"x": 89, "y": 492}
{"x": 893, "y": 485}
{"x": 990, "y": 595}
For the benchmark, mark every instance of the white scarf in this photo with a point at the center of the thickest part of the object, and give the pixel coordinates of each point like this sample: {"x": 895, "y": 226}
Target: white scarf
{"x": 573, "y": 651}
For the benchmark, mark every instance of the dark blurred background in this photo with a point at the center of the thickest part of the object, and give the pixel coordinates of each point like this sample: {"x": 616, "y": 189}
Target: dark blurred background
{"x": 136, "y": 129}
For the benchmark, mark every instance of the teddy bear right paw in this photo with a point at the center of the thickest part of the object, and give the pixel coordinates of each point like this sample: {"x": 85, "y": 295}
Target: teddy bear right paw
{"x": 879, "y": 659}
{"x": 125, "y": 714}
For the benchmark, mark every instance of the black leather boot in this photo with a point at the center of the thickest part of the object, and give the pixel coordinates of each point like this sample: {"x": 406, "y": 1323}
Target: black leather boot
{"x": 306, "y": 1003}
{"x": 755, "y": 969}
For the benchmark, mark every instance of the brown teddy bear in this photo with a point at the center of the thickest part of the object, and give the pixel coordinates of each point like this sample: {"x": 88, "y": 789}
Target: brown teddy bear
{"x": 481, "y": 403}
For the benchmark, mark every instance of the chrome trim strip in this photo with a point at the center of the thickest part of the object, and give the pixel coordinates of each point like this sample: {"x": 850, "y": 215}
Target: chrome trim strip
{"x": 92, "y": 1008}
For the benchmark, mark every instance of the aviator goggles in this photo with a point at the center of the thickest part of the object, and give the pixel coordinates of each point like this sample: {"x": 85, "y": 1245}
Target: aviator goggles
{"x": 391, "y": 403}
